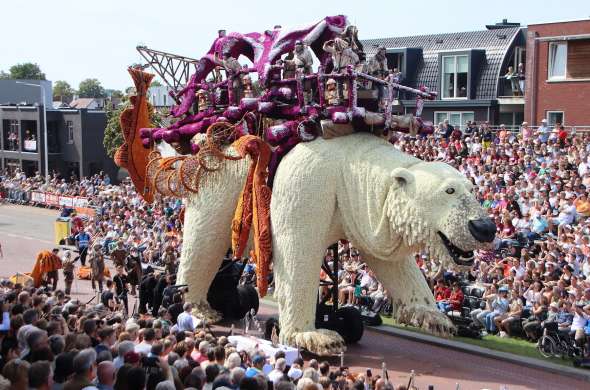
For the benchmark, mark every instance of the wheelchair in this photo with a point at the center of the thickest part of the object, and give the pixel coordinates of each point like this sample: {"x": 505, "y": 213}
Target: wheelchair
{"x": 556, "y": 344}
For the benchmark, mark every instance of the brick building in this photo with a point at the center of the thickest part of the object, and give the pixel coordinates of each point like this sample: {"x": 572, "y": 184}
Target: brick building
{"x": 558, "y": 73}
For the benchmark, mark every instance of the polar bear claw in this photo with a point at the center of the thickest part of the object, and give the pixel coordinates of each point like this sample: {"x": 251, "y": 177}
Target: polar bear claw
{"x": 427, "y": 318}
{"x": 321, "y": 342}
{"x": 203, "y": 311}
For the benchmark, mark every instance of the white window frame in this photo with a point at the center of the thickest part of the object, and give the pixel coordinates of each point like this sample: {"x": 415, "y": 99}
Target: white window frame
{"x": 442, "y": 77}
{"x": 555, "y": 112}
{"x": 550, "y": 61}
{"x": 518, "y": 52}
{"x": 448, "y": 115}
{"x": 69, "y": 132}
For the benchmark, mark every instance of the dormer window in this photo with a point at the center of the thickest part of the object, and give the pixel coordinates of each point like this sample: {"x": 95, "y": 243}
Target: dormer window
{"x": 454, "y": 76}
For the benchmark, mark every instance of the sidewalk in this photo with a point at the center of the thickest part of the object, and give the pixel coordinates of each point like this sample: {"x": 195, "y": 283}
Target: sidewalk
{"x": 577, "y": 373}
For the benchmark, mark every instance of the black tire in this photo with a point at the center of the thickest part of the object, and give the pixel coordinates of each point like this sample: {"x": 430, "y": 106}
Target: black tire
{"x": 349, "y": 324}
{"x": 547, "y": 347}
{"x": 248, "y": 297}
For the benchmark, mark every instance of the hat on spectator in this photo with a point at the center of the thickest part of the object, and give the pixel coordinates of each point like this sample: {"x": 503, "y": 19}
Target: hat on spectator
{"x": 503, "y": 289}
{"x": 258, "y": 359}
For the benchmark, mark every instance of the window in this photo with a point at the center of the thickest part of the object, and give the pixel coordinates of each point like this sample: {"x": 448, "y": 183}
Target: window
{"x": 70, "y": 132}
{"x": 554, "y": 117}
{"x": 456, "y": 118}
{"x": 165, "y": 103}
{"x": 395, "y": 60}
{"x": 578, "y": 58}
{"x": 557, "y": 60}
{"x": 454, "y": 76}
{"x": 519, "y": 56}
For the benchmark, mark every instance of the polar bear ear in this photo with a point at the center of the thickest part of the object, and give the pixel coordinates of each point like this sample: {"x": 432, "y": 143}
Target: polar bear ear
{"x": 402, "y": 176}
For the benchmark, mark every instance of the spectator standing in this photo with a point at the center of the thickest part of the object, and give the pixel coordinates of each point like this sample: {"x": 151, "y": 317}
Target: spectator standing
{"x": 82, "y": 242}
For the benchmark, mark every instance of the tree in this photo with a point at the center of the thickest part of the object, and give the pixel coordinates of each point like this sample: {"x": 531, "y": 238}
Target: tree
{"x": 91, "y": 88}
{"x": 156, "y": 83}
{"x": 113, "y": 136}
{"x": 4, "y": 75}
{"x": 62, "y": 91}
{"x": 27, "y": 70}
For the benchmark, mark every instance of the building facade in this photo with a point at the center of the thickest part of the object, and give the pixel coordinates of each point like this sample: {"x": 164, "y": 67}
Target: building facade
{"x": 467, "y": 69}
{"x": 159, "y": 97}
{"x": 558, "y": 80}
{"x": 74, "y": 138}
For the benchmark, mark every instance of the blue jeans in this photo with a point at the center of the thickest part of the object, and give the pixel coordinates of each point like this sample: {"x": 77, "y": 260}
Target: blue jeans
{"x": 443, "y": 306}
{"x": 490, "y": 325}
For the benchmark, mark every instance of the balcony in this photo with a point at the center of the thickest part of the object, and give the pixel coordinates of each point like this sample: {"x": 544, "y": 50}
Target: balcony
{"x": 510, "y": 91}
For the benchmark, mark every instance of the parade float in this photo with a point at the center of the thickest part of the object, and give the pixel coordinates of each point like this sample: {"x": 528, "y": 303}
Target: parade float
{"x": 284, "y": 156}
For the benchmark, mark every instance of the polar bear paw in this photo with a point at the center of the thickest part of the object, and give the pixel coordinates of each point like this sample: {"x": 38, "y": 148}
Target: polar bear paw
{"x": 427, "y": 318}
{"x": 320, "y": 342}
{"x": 203, "y": 311}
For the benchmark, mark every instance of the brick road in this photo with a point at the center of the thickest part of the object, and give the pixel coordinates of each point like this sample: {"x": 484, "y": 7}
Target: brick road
{"x": 26, "y": 230}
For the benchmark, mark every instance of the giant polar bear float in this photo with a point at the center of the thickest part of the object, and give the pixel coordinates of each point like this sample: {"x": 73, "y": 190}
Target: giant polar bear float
{"x": 359, "y": 187}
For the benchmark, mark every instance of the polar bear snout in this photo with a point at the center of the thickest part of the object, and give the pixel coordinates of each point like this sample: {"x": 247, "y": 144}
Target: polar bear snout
{"x": 483, "y": 229}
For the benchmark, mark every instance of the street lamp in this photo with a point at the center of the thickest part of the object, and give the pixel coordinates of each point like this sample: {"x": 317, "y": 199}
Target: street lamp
{"x": 44, "y": 126}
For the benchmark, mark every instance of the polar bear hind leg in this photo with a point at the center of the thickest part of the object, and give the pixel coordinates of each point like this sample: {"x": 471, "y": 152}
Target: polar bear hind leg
{"x": 413, "y": 302}
{"x": 301, "y": 228}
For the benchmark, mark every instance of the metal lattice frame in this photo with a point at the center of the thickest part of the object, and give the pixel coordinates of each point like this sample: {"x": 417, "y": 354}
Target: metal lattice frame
{"x": 174, "y": 70}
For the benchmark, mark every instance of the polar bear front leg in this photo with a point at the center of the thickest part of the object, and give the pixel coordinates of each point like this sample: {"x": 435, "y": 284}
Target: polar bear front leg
{"x": 413, "y": 302}
{"x": 206, "y": 239}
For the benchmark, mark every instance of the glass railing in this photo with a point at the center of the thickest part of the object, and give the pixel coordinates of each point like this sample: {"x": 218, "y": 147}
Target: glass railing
{"x": 30, "y": 146}
{"x": 509, "y": 88}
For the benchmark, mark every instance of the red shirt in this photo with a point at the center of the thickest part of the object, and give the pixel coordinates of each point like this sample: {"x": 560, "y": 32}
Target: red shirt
{"x": 441, "y": 293}
{"x": 562, "y": 135}
{"x": 456, "y": 299}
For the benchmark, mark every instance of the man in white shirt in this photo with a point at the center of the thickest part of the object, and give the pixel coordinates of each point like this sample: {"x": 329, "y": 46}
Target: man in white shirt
{"x": 579, "y": 322}
{"x": 278, "y": 372}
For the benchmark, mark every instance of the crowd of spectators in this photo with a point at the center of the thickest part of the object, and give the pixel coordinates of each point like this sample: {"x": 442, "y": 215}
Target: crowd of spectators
{"x": 533, "y": 183}
{"x": 49, "y": 341}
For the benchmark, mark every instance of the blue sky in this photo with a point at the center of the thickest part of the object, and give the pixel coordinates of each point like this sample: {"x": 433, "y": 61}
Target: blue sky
{"x": 74, "y": 40}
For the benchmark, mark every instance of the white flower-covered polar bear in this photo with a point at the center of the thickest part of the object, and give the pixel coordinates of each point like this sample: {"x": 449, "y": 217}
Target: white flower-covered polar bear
{"x": 359, "y": 187}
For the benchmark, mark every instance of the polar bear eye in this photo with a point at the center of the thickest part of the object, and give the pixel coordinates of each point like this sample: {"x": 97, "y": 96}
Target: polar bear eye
{"x": 450, "y": 190}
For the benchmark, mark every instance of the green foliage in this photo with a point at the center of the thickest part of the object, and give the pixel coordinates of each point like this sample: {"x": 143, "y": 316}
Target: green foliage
{"x": 27, "y": 70}
{"x": 117, "y": 94}
{"x": 91, "y": 88}
{"x": 4, "y": 75}
{"x": 62, "y": 90}
{"x": 113, "y": 136}
{"x": 156, "y": 83}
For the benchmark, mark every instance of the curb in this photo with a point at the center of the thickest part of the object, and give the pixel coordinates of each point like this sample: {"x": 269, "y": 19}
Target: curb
{"x": 576, "y": 373}
{"x": 488, "y": 353}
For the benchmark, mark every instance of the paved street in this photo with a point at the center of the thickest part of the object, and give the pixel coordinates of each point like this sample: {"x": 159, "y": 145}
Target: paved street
{"x": 26, "y": 230}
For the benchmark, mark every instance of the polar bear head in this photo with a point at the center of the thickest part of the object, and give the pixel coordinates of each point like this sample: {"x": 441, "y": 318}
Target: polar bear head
{"x": 432, "y": 207}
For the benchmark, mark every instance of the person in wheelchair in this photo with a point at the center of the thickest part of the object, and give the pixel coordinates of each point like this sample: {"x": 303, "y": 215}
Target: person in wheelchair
{"x": 559, "y": 321}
